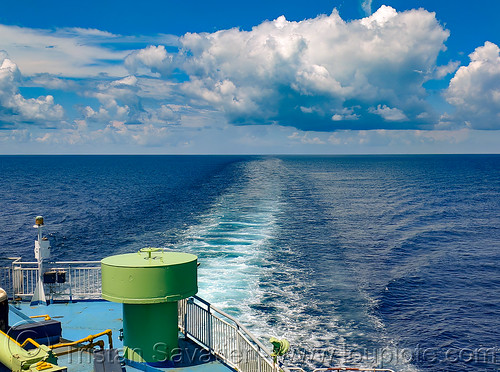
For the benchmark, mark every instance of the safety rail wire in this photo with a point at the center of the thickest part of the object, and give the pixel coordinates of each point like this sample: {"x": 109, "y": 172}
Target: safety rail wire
{"x": 82, "y": 279}
{"x": 224, "y": 337}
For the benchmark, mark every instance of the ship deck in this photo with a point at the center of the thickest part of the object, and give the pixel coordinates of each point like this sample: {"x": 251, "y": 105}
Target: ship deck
{"x": 84, "y": 318}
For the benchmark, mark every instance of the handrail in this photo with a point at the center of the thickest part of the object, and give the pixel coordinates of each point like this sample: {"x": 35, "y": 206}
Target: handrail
{"x": 224, "y": 337}
{"x": 17, "y": 262}
{"x": 82, "y": 279}
{"x": 237, "y": 323}
{"x": 365, "y": 369}
{"x": 353, "y": 369}
{"x": 265, "y": 364}
{"x": 75, "y": 262}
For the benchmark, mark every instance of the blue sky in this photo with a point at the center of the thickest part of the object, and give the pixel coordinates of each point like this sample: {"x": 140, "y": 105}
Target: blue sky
{"x": 324, "y": 77}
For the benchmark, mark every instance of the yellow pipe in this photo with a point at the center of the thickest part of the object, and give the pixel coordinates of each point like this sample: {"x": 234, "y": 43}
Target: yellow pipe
{"x": 45, "y": 316}
{"x": 10, "y": 338}
{"x": 31, "y": 341}
{"x": 88, "y": 339}
{"x": 99, "y": 343}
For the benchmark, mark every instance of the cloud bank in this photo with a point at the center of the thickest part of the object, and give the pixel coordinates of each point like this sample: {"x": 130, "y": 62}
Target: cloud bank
{"x": 319, "y": 83}
{"x": 321, "y": 74}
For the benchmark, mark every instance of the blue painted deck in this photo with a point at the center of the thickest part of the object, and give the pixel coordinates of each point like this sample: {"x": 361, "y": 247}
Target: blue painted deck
{"x": 81, "y": 319}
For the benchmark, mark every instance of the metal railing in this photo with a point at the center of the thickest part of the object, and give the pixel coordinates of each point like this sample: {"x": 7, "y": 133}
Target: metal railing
{"x": 224, "y": 337}
{"x": 72, "y": 280}
{"x": 343, "y": 369}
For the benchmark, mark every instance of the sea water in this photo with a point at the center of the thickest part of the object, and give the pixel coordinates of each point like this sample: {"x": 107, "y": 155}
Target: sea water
{"x": 383, "y": 261}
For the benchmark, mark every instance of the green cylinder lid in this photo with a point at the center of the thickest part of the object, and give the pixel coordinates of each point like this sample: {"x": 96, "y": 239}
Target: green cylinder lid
{"x": 149, "y": 276}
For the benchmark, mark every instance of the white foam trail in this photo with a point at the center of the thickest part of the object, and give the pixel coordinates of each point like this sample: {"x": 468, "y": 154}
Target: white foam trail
{"x": 233, "y": 241}
{"x": 232, "y": 238}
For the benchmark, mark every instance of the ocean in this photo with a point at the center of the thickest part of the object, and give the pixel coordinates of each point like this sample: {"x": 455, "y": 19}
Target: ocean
{"x": 385, "y": 261}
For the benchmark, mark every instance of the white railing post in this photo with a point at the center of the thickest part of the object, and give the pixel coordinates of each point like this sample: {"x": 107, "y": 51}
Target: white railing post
{"x": 238, "y": 354}
{"x": 259, "y": 365}
{"x": 13, "y": 285}
{"x": 70, "y": 282}
{"x": 209, "y": 329}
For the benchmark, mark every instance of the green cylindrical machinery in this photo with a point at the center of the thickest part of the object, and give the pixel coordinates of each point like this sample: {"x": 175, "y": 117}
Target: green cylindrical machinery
{"x": 149, "y": 284}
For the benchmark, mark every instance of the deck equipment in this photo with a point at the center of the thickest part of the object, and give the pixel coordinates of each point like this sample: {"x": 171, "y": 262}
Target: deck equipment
{"x": 149, "y": 284}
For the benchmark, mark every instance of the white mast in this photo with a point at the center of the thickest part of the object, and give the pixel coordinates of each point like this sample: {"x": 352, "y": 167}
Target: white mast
{"x": 42, "y": 253}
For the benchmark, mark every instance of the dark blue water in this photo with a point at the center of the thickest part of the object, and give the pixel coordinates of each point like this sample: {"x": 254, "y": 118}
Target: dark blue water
{"x": 361, "y": 260}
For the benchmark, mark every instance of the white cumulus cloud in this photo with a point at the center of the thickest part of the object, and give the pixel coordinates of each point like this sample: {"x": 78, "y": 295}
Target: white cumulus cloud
{"x": 15, "y": 108}
{"x": 475, "y": 89}
{"x": 121, "y": 101}
{"x": 154, "y": 58}
{"x": 389, "y": 114}
{"x": 309, "y": 74}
